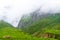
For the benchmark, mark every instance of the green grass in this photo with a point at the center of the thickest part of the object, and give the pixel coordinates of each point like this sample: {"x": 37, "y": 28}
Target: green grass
{"x": 15, "y": 34}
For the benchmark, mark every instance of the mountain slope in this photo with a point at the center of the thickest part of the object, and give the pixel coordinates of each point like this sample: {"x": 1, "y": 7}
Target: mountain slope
{"x": 8, "y": 32}
{"x": 50, "y": 22}
{"x": 31, "y": 18}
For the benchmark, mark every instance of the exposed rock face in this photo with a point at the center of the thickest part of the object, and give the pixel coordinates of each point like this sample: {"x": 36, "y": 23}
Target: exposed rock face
{"x": 7, "y": 36}
{"x": 47, "y": 35}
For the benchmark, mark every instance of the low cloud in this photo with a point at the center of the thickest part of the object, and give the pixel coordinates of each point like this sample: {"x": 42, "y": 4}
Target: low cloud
{"x": 14, "y": 9}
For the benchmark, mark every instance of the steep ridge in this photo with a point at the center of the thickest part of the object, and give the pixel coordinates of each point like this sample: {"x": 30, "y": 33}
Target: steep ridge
{"x": 50, "y": 22}
{"x": 31, "y": 18}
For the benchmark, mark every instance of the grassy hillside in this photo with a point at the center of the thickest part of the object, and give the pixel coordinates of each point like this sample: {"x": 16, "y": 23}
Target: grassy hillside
{"x": 50, "y": 22}
{"x": 47, "y": 26}
{"x": 8, "y": 32}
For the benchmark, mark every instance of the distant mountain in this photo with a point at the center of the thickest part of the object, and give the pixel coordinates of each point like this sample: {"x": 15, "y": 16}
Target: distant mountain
{"x": 48, "y": 21}
{"x": 31, "y": 18}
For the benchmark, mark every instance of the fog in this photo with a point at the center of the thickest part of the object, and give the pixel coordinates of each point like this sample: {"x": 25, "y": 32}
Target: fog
{"x": 11, "y": 11}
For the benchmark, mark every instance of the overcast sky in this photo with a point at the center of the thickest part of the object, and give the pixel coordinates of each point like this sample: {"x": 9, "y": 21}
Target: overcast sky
{"x": 12, "y": 10}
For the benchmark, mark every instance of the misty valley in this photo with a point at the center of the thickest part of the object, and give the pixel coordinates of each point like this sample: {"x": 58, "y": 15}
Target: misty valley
{"x": 29, "y": 19}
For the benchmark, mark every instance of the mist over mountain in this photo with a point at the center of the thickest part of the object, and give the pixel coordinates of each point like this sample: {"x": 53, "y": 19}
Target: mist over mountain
{"x": 28, "y": 19}
{"x": 13, "y": 10}
{"x": 36, "y": 25}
